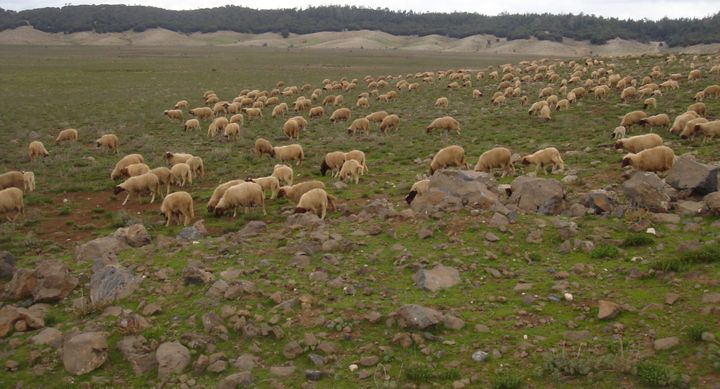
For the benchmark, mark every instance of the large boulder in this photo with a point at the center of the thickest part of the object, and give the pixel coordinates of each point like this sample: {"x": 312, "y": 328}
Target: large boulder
{"x": 85, "y": 352}
{"x": 689, "y": 175}
{"x": 11, "y": 315}
{"x": 111, "y": 283}
{"x": 600, "y": 201}
{"x": 437, "y": 278}
{"x": 452, "y": 190}
{"x": 21, "y": 285}
{"x": 134, "y": 236}
{"x": 172, "y": 358}
{"x": 105, "y": 248}
{"x": 647, "y": 190}
{"x": 533, "y": 194}
{"x": 54, "y": 281}
{"x": 138, "y": 353}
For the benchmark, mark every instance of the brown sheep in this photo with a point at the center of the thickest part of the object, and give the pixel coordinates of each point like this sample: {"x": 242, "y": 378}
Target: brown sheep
{"x": 636, "y": 144}
{"x": 108, "y": 140}
{"x": 263, "y": 146}
{"x": 548, "y": 156}
{"x": 499, "y": 157}
{"x": 37, "y": 149}
{"x": 175, "y": 205}
{"x": 340, "y": 114}
{"x": 656, "y": 159}
{"x": 447, "y": 157}
{"x": 447, "y": 123}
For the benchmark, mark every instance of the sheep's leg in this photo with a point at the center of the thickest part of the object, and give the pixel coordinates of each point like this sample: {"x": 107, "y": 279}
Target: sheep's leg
{"x": 357, "y": 178}
{"x": 187, "y": 219}
{"x": 323, "y": 211}
{"x": 126, "y": 199}
{"x": 168, "y": 217}
{"x": 152, "y": 198}
{"x": 235, "y": 211}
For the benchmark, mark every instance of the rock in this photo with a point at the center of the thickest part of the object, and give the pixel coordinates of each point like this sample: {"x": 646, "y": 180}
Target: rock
{"x": 710, "y": 298}
{"x": 646, "y": 190}
{"x": 437, "y": 278}
{"x": 671, "y": 298}
{"x": 21, "y": 285}
{"x": 11, "y": 316}
{"x": 85, "y": 352}
{"x": 687, "y": 174}
{"x": 7, "y": 266}
{"x": 566, "y": 229}
{"x": 691, "y": 208}
{"x": 666, "y": 343}
{"x": 499, "y": 220}
{"x": 707, "y": 336}
{"x": 479, "y": 356}
{"x": 369, "y": 361}
{"x": 490, "y": 237}
{"x": 54, "y": 281}
{"x": 134, "y": 236}
{"x": 535, "y": 236}
{"x": 193, "y": 233}
{"x": 104, "y": 249}
{"x": 292, "y": 350}
{"x": 282, "y": 371}
{"x": 712, "y": 201}
{"x": 607, "y": 309}
{"x": 522, "y": 287}
{"x": 111, "y": 283}
{"x": 218, "y": 366}
{"x": 172, "y": 358}
{"x": 666, "y": 218}
{"x": 306, "y": 220}
{"x": 246, "y": 362}
{"x": 194, "y": 274}
{"x": 136, "y": 351}
{"x": 451, "y": 190}
{"x": 252, "y": 228}
{"x": 534, "y": 194}
{"x": 151, "y": 309}
{"x": 453, "y": 322}
{"x": 416, "y": 316}
{"x": 48, "y": 337}
{"x": 313, "y": 375}
{"x": 576, "y": 335}
{"x": 243, "y": 379}
{"x": 425, "y": 232}
{"x": 599, "y": 201}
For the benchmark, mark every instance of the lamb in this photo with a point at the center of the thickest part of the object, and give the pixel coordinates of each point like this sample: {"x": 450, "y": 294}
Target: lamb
{"x": 417, "y": 188}
{"x": 681, "y": 120}
{"x": 202, "y": 113}
{"x": 619, "y": 132}
{"x": 108, "y": 140}
{"x": 656, "y": 159}
{"x": 291, "y": 129}
{"x": 358, "y": 156}
{"x": 13, "y": 179}
{"x": 333, "y": 161}
{"x": 289, "y": 153}
{"x": 650, "y": 102}
{"x": 175, "y": 158}
{"x": 125, "y": 161}
{"x": 37, "y": 149}
{"x": 689, "y": 129}
{"x": 263, "y": 146}
{"x": 11, "y": 199}
{"x": 447, "y": 157}
{"x": 283, "y": 173}
{"x": 699, "y": 108}
{"x": 316, "y": 201}
{"x": 191, "y": 124}
{"x": 280, "y": 109}
{"x": 69, "y": 134}
{"x": 709, "y": 129}
{"x": 317, "y": 112}
{"x": 134, "y": 169}
{"x": 253, "y": 113}
{"x": 164, "y": 176}
{"x": 633, "y": 117}
{"x": 659, "y": 120}
{"x": 181, "y": 104}
{"x": 351, "y": 169}
{"x": 174, "y": 114}
{"x": 269, "y": 183}
{"x": 360, "y": 124}
{"x": 340, "y": 114}
{"x": 197, "y": 167}
{"x": 244, "y": 194}
{"x": 147, "y": 182}
{"x": 28, "y": 182}
{"x": 232, "y": 131}
{"x": 447, "y": 123}
{"x": 499, "y": 157}
{"x": 441, "y": 102}
{"x": 549, "y": 156}
{"x": 636, "y": 144}
{"x": 175, "y": 205}
{"x": 181, "y": 174}
{"x": 295, "y": 192}
{"x": 219, "y": 192}
{"x": 377, "y": 117}
{"x": 390, "y": 122}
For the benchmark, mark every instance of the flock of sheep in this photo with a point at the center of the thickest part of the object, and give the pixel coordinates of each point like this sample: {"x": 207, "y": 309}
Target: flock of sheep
{"x": 589, "y": 78}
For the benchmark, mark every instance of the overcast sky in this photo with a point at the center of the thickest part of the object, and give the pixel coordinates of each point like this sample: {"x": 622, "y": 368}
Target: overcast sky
{"x": 624, "y": 9}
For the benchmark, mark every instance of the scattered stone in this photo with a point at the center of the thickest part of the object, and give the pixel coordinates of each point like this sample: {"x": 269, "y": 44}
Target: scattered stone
{"x": 666, "y": 218}
{"x": 646, "y": 190}
{"x": 138, "y": 353}
{"x": 306, "y": 220}
{"x": 535, "y": 236}
{"x": 292, "y": 350}
{"x": 490, "y": 237}
{"x": 313, "y": 375}
{"x": 576, "y": 335}
{"x": 193, "y": 233}
{"x": 194, "y": 274}
{"x": 369, "y": 361}
{"x": 453, "y": 322}
{"x": 607, "y": 309}
{"x": 54, "y": 281}
{"x": 671, "y": 298}
{"x": 482, "y": 328}
{"x": 480, "y": 356}
{"x": 425, "y": 232}
{"x": 48, "y": 337}
{"x": 691, "y": 208}
{"x": 666, "y": 343}
{"x": 7, "y": 266}
{"x": 85, "y": 352}
{"x": 452, "y": 190}
{"x": 243, "y": 379}
{"x": 712, "y": 201}
{"x": 710, "y": 298}
{"x": 416, "y": 316}
{"x": 102, "y": 249}
{"x": 599, "y": 201}
{"x": 282, "y": 371}
{"x": 707, "y": 336}
{"x": 172, "y": 358}
{"x": 134, "y": 236}
{"x": 252, "y": 228}
{"x": 521, "y": 287}
{"x": 111, "y": 283}
{"x": 437, "y": 278}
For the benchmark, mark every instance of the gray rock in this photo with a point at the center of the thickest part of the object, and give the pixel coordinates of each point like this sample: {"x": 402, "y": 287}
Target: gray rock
{"x": 252, "y": 228}
{"x": 54, "y": 281}
{"x": 111, "y": 283}
{"x": 11, "y": 316}
{"x": 172, "y": 358}
{"x": 306, "y": 219}
{"x": 646, "y": 190}
{"x": 599, "y": 201}
{"x": 710, "y": 298}
{"x": 193, "y": 233}
{"x": 292, "y": 350}
{"x": 480, "y": 356}
{"x": 243, "y": 379}
{"x": 85, "y": 352}
{"x": 105, "y": 249}
{"x": 687, "y": 174}
{"x": 194, "y": 274}
{"x": 134, "y": 236}
{"x": 437, "y": 278}
{"x": 534, "y": 194}
{"x": 607, "y": 309}
{"x": 416, "y": 316}
{"x": 48, "y": 337}
{"x": 712, "y": 201}
{"x": 666, "y": 218}
{"x": 138, "y": 353}
{"x": 313, "y": 375}
{"x": 691, "y": 208}
{"x": 666, "y": 343}
{"x": 7, "y": 266}
{"x": 490, "y": 237}
{"x": 282, "y": 371}
{"x": 20, "y": 286}
{"x": 452, "y": 190}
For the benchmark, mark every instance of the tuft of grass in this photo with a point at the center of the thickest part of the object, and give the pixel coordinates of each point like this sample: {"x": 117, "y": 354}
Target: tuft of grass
{"x": 561, "y": 365}
{"x": 695, "y": 331}
{"x": 604, "y": 251}
{"x": 658, "y": 375}
{"x": 425, "y": 373}
{"x": 506, "y": 380}
{"x": 706, "y": 254}
{"x": 637, "y": 240}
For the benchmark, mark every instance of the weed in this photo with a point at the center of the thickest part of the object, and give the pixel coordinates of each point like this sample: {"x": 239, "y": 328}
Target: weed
{"x": 506, "y": 380}
{"x": 604, "y": 252}
{"x": 657, "y": 375}
{"x": 637, "y": 240}
{"x": 695, "y": 331}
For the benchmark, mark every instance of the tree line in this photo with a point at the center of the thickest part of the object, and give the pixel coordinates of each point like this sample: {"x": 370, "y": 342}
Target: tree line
{"x": 596, "y": 29}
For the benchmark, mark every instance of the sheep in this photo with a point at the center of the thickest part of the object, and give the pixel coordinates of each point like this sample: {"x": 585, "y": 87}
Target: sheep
{"x": 619, "y": 132}
{"x": 636, "y": 144}
{"x": 712, "y": 90}
{"x": 302, "y": 123}
{"x": 134, "y": 169}
{"x": 37, "y": 149}
{"x": 681, "y": 120}
{"x": 650, "y": 102}
{"x": 202, "y": 113}
{"x": 174, "y": 114}
{"x": 295, "y": 192}
{"x": 377, "y": 117}
{"x": 191, "y": 124}
{"x": 545, "y": 113}
{"x": 358, "y": 156}
{"x": 447, "y": 123}
{"x": 441, "y": 102}
{"x": 689, "y": 129}
{"x": 709, "y": 129}
{"x": 181, "y": 104}
{"x": 317, "y": 112}
{"x": 69, "y": 134}
{"x": 280, "y": 109}
{"x": 340, "y": 114}
{"x": 699, "y": 108}
{"x": 291, "y": 129}
{"x": 476, "y": 94}
{"x": 147, "y": 182}
{"x": 263, "y": 146}
{"x": 417, "y": 188}
{"x": 283, "y": 173}
{"x": 536, "y": 107}
{"x": 11, "y": 199}
{"x": 333, "y": 161}
{"x": 552, "y": 100}
{"x": 181, "y": 174}
{"x": 360, "y": 124}
{"x": 219, "y": 124}
{"x": 237, "y": 118}
{"x": 499, "y": 157}
{"x": 289, "y": 153}
{"x": 108, "y": 140}
{"x": 316, "y": 201}
{"x": 362, "y": 103}
{"x": 253, "y": 113}
{"x": 328, "y": 100}
{"x": 175, "y": 205}
{"x": 219, "y": 192}
{"x": 656, "y": 159}
{"x": 351, "y": 169}
{"x": 220, "y": 108}
{"x": 244, "y": 194}
{"x": 13, "y": 179}
{"x": 563, "y": 104}
{"x": 123, "y": 162}
{"x": 232, "y": 131}
{"x": 390, "y": 122}
{"x": 628, "y": 93}
{"x": 499, "y": 100}
{"x": 659, "y": 120}
{"x": 700, "y": 96}
{"x": 175, "y": 158}
{"x": 338, "y": 100}
{"x": 694, "y": 75}
{"x": 447, "y": 157}
{"x": 269, "y": 183}
{"x": 197, "y": 167}
{"x": 164, "y": 178}
{"x": 549, "y": 156}
{"x": 633, "y": 117}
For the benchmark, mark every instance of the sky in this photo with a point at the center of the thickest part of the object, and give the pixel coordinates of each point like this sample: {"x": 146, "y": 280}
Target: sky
{"x": 623, "y": 9}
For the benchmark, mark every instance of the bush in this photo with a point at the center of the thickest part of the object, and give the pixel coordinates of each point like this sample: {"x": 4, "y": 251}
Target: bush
{"x": 506, "y": 380}
{"x": 695, "y": 332}
{"x": 637, "y": 240}
{"x": 604, "y": 251}
{"x": 657, "y": 375}
{"x": 706, "y": 254}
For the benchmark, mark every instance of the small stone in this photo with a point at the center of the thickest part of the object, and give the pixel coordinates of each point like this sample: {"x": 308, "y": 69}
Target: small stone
{"x": 671, "y": 298}
{"x": 607, "y": 309}
{"x": 479, "y": 356}
{"x": 490, "y": 237}
{"x": 369, "y": 361}
{"x": 313, "y": 375}
{"x": 666, "y": 343}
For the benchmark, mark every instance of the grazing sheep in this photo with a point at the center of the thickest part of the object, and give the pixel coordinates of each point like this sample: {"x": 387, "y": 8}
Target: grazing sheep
{"x": 11, "y": 199}
{"x": 441, "y": 102}
{"x": 284, "y": 174}
{"x": 197, "y": 167}
{"x": 545, "y": 92}
{"x": 108, "y": 140}
{"x": 360, "y": 124}
{"x": 633, "y": 117}
{"x": 476, "y": 94}
{"x": 219, "y": 192}
{"x": 351, "y": 169}
{"x": 147, "y": 182}
{"x": 712, "y": 90}
{"x": 499, "y": 157}
{"x": 14, "y": 179}
{"x": 656, "y": 159}
{"x": 202, "y": 113}
{"x": 552, "y": 100}
{"x": 175, "y": 205}
{"x": 362, "y": 103}
{"x": 232, "y": 131}
{"x": 447, "y": 123}
{"x": 263, "y": 146}
{"x": 125, "y": 161}
{"x": 328, "y": 100}
{"x": 134, "y": 169}
{"x": 694, "y": 75}
{"x": 536, "y": 107}
{"x": 317, "y": 112}
{"x": 164, "y": 176}
{"x": 280, "y": 109}
{"x": 699, "y": 108}
{"x": 636, "y": 144}
{"x": 499, "y": 100}
{"x": 175, "y": 158}
{"x": 709, "y": 129}
{"x": 390, "y": 122}
{"x": 316, "y": 201}
{"x": 628, "y": 93}
{"x": 377, "y": 117}
{"x": 338, "y": 100}
{"x": 269, "y": 183}
{"x": 619, "y": 132}
{"x": 289, "y": 153}
{"x": 174, "y": 114}
{"x": 302, "y": 123}
{"x": 244, "y": 194}
{"x": 544, "y": 113}
{"x": 28, "y": 182}
{"x": 563, "y": 104}
{"x": 181, "y": 174}
{"x": 447, "y": 157}
{"x": 237, "y": 118}
{"x": 37, "y": 149}
{"x": 340, "y": 114}
{"x": 333, "y": 161}
{"x": 220, "y": 123}
{"x": 417, "y": 188}
{"x": 253, "y": 113}
{"x": 681, "y": 120}
{"x": 650, "y": 102}
{"x": 549, "y": 156}
{"x": 181, "y": 104}
{"x": 700, "y": 96}
{"x": 358, "y": 156}
{"x": 295, "y": 192}
{"x": 191, "y": 124}
{"x": 659, "y": 120}
{"x": 69, "y": 134}
{"x": 689, "y": 129}
{"x": 291, "y": 129}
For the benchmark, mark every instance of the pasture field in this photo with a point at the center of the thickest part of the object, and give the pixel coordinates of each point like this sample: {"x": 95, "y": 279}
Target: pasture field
{"x": 533, "y": 340}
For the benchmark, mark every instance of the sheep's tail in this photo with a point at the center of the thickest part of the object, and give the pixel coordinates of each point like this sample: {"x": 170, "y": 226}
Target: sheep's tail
{"x": 332, "y": 200}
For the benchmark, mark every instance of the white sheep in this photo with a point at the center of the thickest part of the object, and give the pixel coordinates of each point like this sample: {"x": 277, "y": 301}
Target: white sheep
{"x": 316, "y": 201}
{"x": 174, "y": 114}
{"x": 181, "y": 104}
{"x": 633, "y": 117}
{"x": 197, "y": 166}
{"x": 244, "y": 194}
{"x": 12, "y": 179}
{"x": 219, "y": 192}
{"x": 441, "y": 102}
{"x": 332, "y": 161}
{"x": 656, "y": 159}
{"x": 108, "y": 140}
{"x": 659, "y": 120}
{"x": 134, "y": 169}
{"x": 619, "y": 132}
{"x": 417, "y": 188}
{"x": 548, "y": 156}
{"x": 232, "y": 131}
{"x": 449, "y": 156}
{"x": 499, "y": 157}
{"x": 164, "y": 176}
{"x": 202, "y": 113}
{"x": 447, "y": 123}
{"x": 191, "y": 124}
{"x": 638, "y": 143}
{"x": 294, "y": 192}
{"x": 68, "y": 134}
{"x": 145, "y": 183}
{"x": 351, "y": 169}
{"x": 291, "y": 129}
{"x": 340, "y": 114}
{"x": 359, "y": 156}
{"x": 284, "y": 174}
{"x": 181, "y": 174}
{"x": 37, "y": 149}
{"x": 263, "y": 146}
{"x": 359, "y": 124}
{"x": 28, "y": 182}
{"x": 175, "y": 205}
{"x": 709, "y": 129}
{"x": 124, "y": 162}
{"x": 11, "y": 199}
{"x": 390, "y": 122}
{"x": 289, "y": 153}
{"x": 269, "y": 183}
{"x": 175, "y": 158}
{"x": 681, "y": 120}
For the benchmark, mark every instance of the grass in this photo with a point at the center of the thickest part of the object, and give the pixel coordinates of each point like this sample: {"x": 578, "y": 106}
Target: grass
{"x": 705, "y": 255}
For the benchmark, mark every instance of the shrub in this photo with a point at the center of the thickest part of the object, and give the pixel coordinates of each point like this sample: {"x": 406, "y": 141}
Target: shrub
{"x": 604, "y": 251}
{"x": 657, "y": 375}
{"x": 637, "y": 240}
{"x": 506, "y": 380}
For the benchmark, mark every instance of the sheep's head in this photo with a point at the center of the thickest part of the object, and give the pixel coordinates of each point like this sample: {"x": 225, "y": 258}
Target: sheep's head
{"x": 168, "y": 155}
{"x": 118, "y": 189}
{"x": 300, "y": 210}
{"x": 525, "y": 160}
{"x": 282, "y": 192}
{"x": 411, "y": 196}
{"x": 627, "y": 161}
{"x": 324, "y": 167}
{"x": 124, "y": 172}
{"x": 619, "y": 144}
